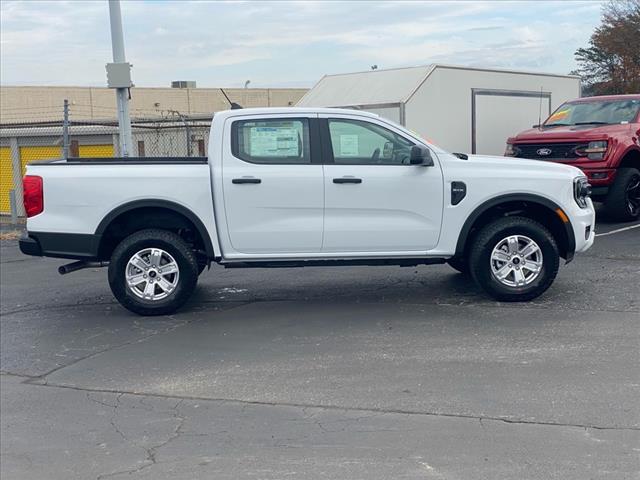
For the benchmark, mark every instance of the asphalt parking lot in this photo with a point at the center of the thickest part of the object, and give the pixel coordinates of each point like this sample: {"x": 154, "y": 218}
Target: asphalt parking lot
{"x": 337, "y": 373}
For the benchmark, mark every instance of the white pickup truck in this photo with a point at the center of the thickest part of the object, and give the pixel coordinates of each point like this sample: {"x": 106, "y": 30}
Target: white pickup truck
{"x": 306, "y": 187}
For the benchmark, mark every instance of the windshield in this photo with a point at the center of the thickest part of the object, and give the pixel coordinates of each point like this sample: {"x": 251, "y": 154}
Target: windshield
{"x": 599, "y": 113}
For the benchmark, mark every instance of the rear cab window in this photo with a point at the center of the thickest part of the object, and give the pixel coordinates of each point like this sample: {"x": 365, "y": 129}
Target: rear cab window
{"x": 272, "y": 141}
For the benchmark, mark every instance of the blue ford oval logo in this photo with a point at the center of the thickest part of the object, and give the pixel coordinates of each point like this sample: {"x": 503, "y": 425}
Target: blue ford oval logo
{"x": 544, "y": 152}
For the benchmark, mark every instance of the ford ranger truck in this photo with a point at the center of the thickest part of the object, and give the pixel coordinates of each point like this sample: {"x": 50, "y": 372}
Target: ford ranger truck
{"x": 599, "y": 135}
{"x": 296, "y": 187}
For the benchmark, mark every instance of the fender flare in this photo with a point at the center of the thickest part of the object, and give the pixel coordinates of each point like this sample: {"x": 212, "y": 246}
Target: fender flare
{"x": 630, "y": 150}
{"x": 515, "y": 197}
{"x": 165, "y": 204}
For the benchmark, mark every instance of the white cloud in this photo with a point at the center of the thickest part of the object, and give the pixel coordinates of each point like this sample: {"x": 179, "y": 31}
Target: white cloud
{"x": 282, "y": 43}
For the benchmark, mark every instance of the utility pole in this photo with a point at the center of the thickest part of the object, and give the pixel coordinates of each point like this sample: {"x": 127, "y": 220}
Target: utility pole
{"x": 245, "y": 101}
{"x": 119, "y": 77}
{"x": 65, "y": 130}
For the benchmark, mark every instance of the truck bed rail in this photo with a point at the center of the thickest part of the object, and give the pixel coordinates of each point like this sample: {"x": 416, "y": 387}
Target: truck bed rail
{"x": 126, "y": 161}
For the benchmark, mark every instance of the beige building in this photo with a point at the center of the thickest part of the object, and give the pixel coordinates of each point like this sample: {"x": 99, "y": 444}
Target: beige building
{"x": 32, "y": 104}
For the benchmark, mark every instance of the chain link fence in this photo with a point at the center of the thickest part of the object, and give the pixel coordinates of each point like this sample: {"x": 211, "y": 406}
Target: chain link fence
{"x": 43, "y": 134}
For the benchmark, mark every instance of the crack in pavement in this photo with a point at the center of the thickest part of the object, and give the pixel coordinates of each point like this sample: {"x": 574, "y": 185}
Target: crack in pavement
{"x": 136, "y": 324}
{"x": 245, "y": 301}
{"x": 607, "y": 257}
{"x": 304, "y": 407}
{"x": 149, "y": 452}
{"x": 33, "y": 308}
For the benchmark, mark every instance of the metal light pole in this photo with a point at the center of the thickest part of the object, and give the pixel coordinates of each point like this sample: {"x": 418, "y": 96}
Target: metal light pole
{"x": 119, "y": 77}
{"x": 245, "y": 100}
{"x": 65, "y": 130}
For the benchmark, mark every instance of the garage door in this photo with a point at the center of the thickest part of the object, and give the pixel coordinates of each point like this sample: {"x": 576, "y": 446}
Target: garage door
{"x": 86, "y": 151}
{"x": 498, "y": 115}
{"x": 6, "y": 179}
{"x": 32, "y": 154}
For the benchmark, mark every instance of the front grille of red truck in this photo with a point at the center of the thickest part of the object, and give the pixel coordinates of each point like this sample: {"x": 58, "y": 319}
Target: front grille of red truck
{"x": 548, "y": 151}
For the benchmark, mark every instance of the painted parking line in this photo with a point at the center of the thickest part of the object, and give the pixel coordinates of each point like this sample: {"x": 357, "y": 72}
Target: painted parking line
{"x": 624, "y": 229}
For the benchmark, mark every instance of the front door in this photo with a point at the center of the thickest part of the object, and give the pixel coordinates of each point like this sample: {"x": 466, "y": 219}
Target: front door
{"x": 273, "y": 185}
{"x": 375, "y": 201}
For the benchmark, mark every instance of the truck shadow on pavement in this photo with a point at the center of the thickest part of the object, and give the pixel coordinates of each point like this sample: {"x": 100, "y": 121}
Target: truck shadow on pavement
{"x": 384, "y": 285}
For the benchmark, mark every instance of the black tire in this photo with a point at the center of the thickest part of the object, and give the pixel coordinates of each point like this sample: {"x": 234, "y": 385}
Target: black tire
{"x": 201, "y": 268}
{"x": 623, "y": 200}
{"x": 480, "y": 264}
{"x": 460, "y": 264}
{"x": 170, "y": 243}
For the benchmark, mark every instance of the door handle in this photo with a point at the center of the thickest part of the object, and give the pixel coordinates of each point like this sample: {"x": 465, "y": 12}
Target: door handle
{"x": 246, "y": 180}
{"x": 347, "y": 180}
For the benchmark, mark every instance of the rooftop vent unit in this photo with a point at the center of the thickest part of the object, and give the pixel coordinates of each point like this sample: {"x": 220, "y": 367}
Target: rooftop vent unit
{"x": 183, "y": 84}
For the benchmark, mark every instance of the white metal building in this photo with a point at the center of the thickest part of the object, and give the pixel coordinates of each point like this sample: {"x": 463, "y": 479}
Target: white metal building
{"x": 461, "y": 109}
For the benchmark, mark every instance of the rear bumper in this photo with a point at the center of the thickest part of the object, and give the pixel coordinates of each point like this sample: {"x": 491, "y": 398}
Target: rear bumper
{"x": 60, "y": 245}
{"x": 30, "y": 246}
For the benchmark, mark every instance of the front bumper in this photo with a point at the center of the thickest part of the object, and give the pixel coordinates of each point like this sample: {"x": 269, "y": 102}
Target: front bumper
{"x": 583, "y": 222}
{"x": 599, "y": 177}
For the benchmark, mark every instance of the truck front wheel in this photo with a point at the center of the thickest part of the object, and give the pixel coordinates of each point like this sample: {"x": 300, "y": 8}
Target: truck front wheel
{"x": 514, "y": 259}
{"x": 153, "y": 272}
{"x": 623, "y": 200}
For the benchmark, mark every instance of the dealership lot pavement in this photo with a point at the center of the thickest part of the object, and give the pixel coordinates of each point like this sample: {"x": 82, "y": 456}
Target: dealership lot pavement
{"x": 341, "y": 373}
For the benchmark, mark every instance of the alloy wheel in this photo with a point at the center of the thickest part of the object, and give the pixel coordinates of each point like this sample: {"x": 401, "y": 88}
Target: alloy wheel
{"x": 632, "y": 195}
{"x": 516, "y": 261}
{"x": 152, "y": 274}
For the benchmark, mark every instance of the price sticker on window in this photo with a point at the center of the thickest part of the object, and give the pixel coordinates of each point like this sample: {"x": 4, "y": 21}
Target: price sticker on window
{"x": 274, "y": 142}
{"x": 349, "y": 146}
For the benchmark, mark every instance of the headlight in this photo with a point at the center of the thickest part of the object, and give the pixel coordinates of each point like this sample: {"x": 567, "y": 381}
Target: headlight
{"x": 594, "y": 150}
{"x": 581, "y": 191}
{"x": 511, "y": 150}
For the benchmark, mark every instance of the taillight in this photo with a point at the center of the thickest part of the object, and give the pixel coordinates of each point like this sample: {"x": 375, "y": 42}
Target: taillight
{"x": 33, "y": 195}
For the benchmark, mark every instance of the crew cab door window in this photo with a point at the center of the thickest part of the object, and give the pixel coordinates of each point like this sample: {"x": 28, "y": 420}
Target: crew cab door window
{"x": 272, "y": 141}
{"x": 357, "y": 142}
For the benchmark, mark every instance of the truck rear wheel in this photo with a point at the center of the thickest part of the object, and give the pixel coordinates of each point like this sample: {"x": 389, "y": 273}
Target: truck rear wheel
{"x": 623, "y": 200}
{"x": 153, "y": 272}
{"x": 514, "y": 259}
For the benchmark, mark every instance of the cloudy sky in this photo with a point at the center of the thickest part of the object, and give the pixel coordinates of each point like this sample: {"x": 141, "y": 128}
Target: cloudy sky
{"x": 288, "y": 43}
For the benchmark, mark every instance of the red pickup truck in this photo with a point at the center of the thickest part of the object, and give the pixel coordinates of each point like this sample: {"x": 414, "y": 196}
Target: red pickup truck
{"x": 599, "y": 135}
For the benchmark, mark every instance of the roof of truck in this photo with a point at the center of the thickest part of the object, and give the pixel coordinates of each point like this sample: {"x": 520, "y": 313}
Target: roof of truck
{"x": 292, "y": 110}
{"x": 600, "y": 98}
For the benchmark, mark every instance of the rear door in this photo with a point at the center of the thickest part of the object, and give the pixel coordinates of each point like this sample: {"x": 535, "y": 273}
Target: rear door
{"x": 375, "y": 201}
{"x": 273, "y": 184}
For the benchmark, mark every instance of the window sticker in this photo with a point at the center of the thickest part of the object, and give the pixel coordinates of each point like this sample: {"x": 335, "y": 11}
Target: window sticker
{"x": 349, "y": 146}
{"x": 559, "y": 115}
{"x": 274, "y": 142}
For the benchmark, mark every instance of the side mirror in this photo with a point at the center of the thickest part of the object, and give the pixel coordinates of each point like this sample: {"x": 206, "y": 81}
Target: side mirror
{"x": 535, "y": 126}
{"x": 420, "y": 156}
